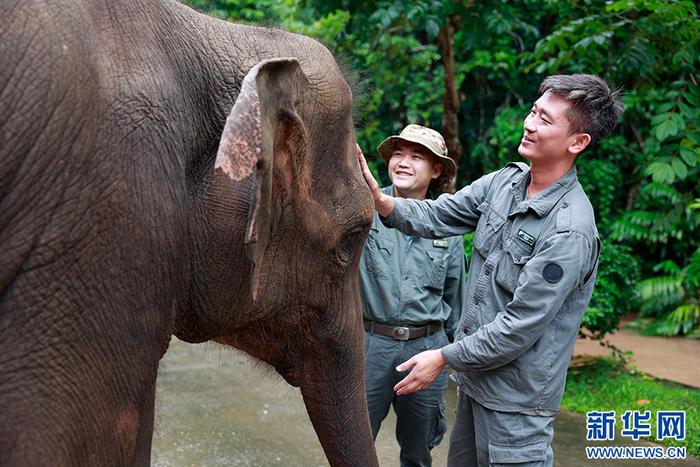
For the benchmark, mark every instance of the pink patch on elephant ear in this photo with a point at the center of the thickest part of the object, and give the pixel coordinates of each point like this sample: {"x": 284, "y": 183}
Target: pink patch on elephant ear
{"x": 240, "y": 146}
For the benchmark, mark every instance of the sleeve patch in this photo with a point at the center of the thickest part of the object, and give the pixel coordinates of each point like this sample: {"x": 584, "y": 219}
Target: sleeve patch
{"x": 553, "y": 273}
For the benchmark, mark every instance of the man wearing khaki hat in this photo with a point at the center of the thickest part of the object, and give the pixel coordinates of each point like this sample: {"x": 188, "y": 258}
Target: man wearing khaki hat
{"x": 412, "y": 290}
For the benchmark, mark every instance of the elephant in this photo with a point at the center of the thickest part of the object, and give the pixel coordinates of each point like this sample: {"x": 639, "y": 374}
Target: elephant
{"x": 167, "y": 173}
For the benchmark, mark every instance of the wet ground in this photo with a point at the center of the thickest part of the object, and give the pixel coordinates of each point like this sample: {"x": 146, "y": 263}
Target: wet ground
{"x": 217, "y": 407}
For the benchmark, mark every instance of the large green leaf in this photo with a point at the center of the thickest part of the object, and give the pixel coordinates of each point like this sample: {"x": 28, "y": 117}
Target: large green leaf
{"x": 665, "y": 129}
{"x": 679, "y": 168}
{"x": 661, "y": 172}
{"x": 688, "y": 156}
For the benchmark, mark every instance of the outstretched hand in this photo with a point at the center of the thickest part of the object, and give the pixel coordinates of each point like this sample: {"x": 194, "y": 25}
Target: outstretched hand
{"x": 384, "y": 204}
{"x": 369, "y": 178}
{"x": 425, "y": 367}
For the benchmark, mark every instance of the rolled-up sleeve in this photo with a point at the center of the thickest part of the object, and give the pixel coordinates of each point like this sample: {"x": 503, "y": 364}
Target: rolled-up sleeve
{"x": 450, "y": 214}
{"x": 558, "y": 266}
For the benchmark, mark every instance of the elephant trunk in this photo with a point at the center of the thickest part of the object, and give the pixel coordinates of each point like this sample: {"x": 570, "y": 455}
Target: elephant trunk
{"x": 334, "y": 394}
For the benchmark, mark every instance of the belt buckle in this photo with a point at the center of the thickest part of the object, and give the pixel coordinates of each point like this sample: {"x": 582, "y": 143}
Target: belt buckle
{"x": 400, "y": 333}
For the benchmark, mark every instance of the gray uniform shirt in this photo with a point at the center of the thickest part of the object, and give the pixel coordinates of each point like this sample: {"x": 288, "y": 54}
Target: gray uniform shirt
{"x": 529, "y": 283}
{"x": 412, "y": 282}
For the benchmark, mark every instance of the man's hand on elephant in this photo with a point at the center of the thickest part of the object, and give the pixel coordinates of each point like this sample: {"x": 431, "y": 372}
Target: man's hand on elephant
{"x": 384, "y": 204}
{"x": 426, "y": 366}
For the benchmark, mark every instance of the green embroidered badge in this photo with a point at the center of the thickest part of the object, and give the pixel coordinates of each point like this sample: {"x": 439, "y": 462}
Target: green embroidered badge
{"x": 526, "y": 237}
{"x": 440, "y": 243}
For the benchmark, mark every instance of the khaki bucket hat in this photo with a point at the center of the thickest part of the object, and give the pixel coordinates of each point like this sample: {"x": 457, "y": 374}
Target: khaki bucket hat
{"x": 429, "y": 138}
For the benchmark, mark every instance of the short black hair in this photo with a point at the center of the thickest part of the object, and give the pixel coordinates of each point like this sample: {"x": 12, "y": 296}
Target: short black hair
{"x": 595, "y": 109}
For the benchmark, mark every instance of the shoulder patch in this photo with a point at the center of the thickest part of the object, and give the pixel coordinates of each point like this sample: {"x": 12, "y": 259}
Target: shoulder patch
{"x": 552, "y": 273}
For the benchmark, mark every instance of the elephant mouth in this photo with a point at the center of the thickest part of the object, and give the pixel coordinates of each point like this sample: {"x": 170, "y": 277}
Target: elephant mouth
{"x": 284, "y": 340}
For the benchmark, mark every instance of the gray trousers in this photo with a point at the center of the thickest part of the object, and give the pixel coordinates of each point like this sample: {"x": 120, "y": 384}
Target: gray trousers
{"x": 420, "y": 416}
{"x": 488, "y": 438}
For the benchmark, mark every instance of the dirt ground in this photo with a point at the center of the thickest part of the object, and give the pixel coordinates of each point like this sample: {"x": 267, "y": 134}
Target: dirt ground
{"x": 671, "y": 358}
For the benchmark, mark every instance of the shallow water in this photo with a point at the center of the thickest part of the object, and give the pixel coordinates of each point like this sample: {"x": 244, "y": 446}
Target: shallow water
{"x": 217, "y": 407}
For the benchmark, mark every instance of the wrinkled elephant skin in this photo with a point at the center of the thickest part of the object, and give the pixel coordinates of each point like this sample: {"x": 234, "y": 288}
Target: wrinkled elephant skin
{"x": 163, "y": 172}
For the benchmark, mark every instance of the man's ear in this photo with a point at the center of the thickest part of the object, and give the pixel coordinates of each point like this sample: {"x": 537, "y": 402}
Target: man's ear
{"x": 580, "y": 142}
{"x": 438, "y": 170}
{"x": 262, "y": 154}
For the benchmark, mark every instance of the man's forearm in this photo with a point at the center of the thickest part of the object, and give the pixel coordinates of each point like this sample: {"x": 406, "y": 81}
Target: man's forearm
{"x": 384, "y": 204}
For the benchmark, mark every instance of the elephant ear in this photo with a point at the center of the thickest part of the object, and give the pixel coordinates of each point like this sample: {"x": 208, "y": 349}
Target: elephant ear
{"x": 265, "y": 140}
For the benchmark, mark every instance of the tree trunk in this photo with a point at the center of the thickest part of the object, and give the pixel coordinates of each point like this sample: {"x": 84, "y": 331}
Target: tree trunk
{"x": 450, "y": 122}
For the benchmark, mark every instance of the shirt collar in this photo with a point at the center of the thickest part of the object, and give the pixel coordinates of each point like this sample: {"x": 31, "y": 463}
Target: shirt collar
{"x": 543, "y": 203}
{"x": 389, "y": 190}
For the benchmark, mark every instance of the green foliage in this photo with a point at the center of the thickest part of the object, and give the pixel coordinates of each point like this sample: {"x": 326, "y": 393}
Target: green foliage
{"x": 659, "y": 293}
{"x": 240, "y": 10}
{"x": 608, "y": 385}
{"x": 674, "y": 297}
{"x": 602, "y": 179}
{"x": 614, "y": 295}
{"x": 468, "y": 246}
{"x": 504, "y": 134}
{"x": 660, "y": 218}
{"x": 683, "y": 320}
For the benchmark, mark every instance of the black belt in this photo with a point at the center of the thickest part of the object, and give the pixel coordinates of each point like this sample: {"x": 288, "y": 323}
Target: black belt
{"x": 402, "y": 333}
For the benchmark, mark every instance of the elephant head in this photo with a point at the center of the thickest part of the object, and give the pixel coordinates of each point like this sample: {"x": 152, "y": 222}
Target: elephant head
{"x": 304, "y": 221}
{"x": 166, "y": 173}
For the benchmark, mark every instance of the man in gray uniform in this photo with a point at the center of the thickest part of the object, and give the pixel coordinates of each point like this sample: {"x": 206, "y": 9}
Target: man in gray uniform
{"x": 412, "y": 290}
{"x": 532, "y": 273}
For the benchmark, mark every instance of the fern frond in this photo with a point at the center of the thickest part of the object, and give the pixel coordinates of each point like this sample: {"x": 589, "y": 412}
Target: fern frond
{"x": 657, "y": 294}
{"x": 681, "y": 321}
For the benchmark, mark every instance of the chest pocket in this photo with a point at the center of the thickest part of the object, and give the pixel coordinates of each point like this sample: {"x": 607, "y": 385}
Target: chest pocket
{"x": 377, "y": 254}
{"x": 436, "y": 269}
{"x": 511, "y": 264}
{"x": 487, "y": 230}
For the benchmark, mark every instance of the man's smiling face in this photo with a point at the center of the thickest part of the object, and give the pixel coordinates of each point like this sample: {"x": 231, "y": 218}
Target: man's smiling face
{"x": 411, "y": 169}
{"x": 546, "y": 130}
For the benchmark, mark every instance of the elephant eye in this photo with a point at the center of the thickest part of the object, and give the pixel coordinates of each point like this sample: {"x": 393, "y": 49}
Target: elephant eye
{"x": 348, "y": 245}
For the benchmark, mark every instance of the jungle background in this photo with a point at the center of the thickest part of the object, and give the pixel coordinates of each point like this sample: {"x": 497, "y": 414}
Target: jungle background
{"x": 471, "y": 69}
